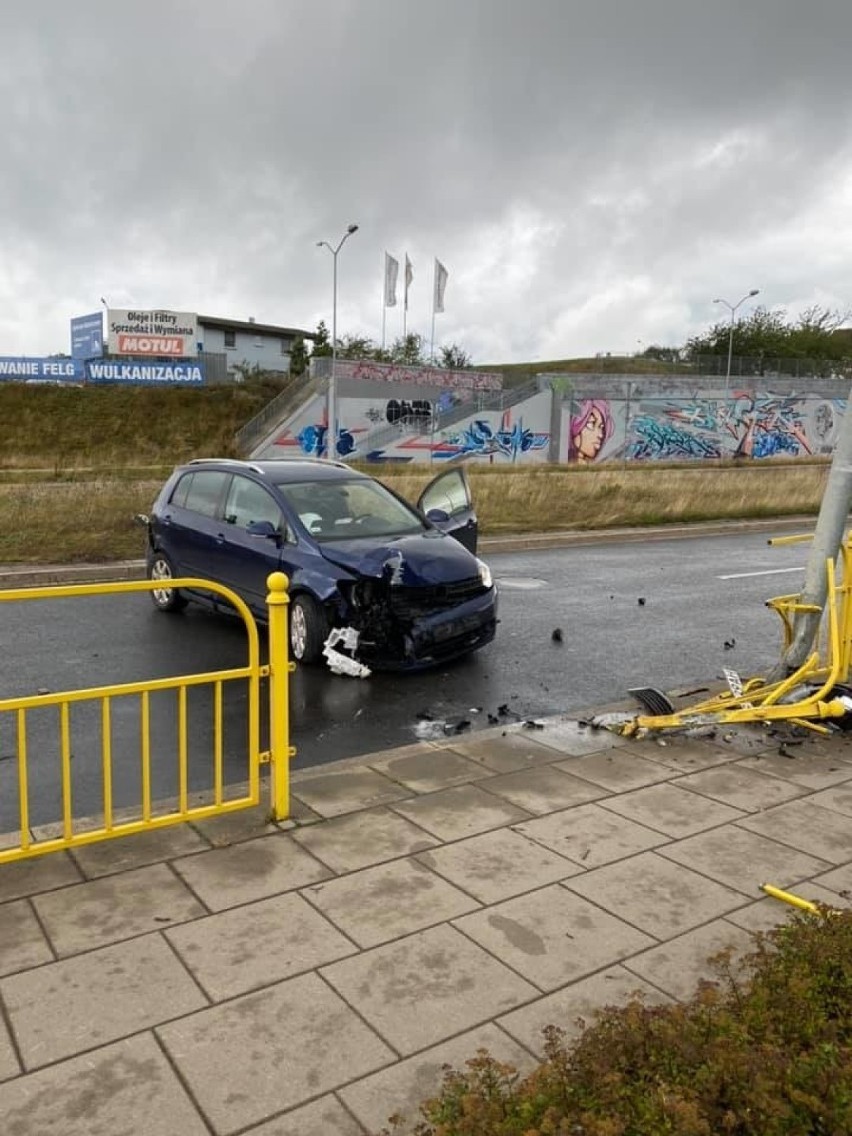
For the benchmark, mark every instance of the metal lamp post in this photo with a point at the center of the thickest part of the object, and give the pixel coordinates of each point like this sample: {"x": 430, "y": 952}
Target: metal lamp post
{"x": 331, "y": 433}
{"x": 733, "y": 310}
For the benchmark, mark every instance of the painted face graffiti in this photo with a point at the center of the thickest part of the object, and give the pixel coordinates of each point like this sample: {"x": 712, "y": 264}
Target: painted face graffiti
{"x": 590, "y": 429}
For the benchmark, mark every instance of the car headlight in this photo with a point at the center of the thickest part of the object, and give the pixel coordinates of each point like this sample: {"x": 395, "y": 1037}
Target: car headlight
{"x": 485, "y": 574}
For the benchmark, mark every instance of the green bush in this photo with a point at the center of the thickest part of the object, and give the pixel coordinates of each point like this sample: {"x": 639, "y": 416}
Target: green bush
{"x": 766, "y": 1051}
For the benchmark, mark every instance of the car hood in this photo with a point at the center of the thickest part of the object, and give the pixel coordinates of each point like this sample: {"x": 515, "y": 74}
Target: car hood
{"x": 419, "y": 560}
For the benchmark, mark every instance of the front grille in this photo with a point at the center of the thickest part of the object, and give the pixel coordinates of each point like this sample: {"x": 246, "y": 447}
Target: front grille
{"x": 413, "y": 602}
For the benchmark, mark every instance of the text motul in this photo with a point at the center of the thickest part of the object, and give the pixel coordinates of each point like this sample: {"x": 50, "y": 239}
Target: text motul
{"x": 151, "y": 344}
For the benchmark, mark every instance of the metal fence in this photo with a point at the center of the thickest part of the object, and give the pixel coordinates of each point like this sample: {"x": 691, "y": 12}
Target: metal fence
{"x": 112, "y": 701}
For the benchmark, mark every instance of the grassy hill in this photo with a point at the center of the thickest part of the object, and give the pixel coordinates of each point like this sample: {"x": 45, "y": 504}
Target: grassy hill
{"x": 108, "y": 427}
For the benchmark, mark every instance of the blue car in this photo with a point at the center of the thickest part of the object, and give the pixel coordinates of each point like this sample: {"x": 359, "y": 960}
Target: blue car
{"x": 407, "y": 581}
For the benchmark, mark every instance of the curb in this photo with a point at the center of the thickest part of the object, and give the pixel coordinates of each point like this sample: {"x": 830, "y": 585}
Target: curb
{"x": 29, "y": 575}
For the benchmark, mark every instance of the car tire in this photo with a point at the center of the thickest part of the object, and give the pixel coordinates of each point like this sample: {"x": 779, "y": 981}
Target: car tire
{"x": 309, "y": 628}
{"x": 164, "y": 599}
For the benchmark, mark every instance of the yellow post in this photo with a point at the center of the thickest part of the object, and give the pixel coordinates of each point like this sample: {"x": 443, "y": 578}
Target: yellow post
{"x": 788, "y": 897}
{"x": 280, "y": 751}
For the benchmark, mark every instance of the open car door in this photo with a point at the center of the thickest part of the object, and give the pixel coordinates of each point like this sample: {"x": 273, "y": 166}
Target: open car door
{"x": 446, "y": 502}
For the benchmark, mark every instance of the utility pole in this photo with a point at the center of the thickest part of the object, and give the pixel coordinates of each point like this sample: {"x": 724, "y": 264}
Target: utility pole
{"x": 331, "y": 415}
{"x": 828, "y": 535}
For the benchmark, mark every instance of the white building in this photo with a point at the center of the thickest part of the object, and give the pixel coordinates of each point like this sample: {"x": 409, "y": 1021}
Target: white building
{"x": 246, "y": 342}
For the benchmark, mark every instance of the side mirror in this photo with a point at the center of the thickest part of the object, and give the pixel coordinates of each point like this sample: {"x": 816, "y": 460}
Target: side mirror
{"x": 264, "y": 529}
{"x": 437, "y": 516}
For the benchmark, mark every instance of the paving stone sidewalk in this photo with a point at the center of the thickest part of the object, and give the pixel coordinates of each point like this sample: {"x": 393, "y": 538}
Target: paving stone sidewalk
{"x": 312, "y": 978}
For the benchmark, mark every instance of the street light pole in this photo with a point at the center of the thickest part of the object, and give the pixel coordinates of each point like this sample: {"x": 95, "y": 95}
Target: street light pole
{"x": 331, "y": 429}
{"x": 733, "y": 311}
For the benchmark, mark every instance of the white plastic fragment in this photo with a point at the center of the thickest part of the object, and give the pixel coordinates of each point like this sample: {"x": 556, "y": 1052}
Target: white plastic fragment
{"x": 396, "y": 564}
{"x": 341, "y": 664}
{"x": 735, "y": 683}
{"x": 612, "y": 721}
{"x": 428, "y": 730}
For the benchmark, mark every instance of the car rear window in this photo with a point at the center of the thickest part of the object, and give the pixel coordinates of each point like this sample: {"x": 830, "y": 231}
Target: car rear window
{"x": 200, "y": 491}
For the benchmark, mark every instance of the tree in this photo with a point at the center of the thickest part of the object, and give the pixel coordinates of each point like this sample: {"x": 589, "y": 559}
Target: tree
{"x": 454, "y": 358}
{"x": 322, "y": 340}
{"x": 298, "y": 357}
{"x": 766, "y": 336}
{"x": 408, "y": 350}
{"x": 356, "y": 347}
{"x": 663, "y": 354}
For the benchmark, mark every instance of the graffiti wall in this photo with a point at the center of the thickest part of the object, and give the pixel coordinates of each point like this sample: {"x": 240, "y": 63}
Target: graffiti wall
{"x": 746, "y": 425}
{"x": 399, "y": 430}
{"x": 453, "y": 426}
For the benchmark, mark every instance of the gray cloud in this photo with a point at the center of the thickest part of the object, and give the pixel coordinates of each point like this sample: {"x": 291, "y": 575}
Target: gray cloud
{"x": 591, "y": 175}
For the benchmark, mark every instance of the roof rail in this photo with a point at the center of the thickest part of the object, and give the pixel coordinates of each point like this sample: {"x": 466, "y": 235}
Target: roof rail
{"x": 253, "y": 466}
{"x": 308, "y": 459}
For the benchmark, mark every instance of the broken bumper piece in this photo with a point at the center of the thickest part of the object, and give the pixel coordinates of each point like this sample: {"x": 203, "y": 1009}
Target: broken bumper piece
{"x": 341, "y": 664}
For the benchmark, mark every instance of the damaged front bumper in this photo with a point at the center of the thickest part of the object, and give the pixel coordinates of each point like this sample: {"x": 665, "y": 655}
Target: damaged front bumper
{"x": 448, "y": 634}
{"x": 393, "y": 635}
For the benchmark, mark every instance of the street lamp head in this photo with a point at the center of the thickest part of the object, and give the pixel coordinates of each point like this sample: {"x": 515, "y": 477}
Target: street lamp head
{"x": 754, "y": 292}
{"x": 718, "y": 301}
{"x": 320, "y": 244}
{"x": 351, "y": 229}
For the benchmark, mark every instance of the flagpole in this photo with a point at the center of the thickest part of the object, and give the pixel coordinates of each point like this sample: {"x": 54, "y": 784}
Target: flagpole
{"x": 407, "y": 283}
{"x": 384, "y": 300}
{"x": 439, "y": 283}
{"x": 432, "y": 340}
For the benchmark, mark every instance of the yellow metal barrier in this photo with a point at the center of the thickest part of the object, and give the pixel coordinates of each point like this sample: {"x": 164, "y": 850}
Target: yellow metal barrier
{"x": 804, "y": 697}
{"x": 118, "y": 824}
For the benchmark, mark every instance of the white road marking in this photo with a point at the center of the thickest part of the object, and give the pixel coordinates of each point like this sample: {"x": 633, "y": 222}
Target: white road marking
{"x": 764, "y": 572}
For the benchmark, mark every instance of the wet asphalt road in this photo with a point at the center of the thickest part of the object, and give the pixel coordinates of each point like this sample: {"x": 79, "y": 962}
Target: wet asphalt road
{"x": 610, "y": 642}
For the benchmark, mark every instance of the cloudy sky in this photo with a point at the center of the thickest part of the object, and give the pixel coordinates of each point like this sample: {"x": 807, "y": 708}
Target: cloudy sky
{"x": 591, "y": 172}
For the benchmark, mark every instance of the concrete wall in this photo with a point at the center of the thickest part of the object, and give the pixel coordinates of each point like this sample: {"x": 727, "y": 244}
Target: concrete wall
{"x": 586, "y": 419}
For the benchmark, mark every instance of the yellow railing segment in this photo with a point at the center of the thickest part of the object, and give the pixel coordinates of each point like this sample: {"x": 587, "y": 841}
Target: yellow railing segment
{"x": 109, "y": 823}
{"x": 803, "y": 697}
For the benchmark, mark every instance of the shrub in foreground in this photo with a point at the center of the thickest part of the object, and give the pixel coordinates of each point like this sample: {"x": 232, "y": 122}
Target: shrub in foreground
{"x": 766, "y": 1051}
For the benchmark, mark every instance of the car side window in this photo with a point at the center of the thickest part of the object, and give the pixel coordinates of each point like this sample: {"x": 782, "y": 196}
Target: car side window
{"x": 205, "y": 492}
{"x": 181, "y": 489}
{"x": 248, "y": 502}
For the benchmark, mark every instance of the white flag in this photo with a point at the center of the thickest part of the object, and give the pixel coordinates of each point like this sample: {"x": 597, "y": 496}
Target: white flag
{"x": 441, "y": 275}
{"x": 391, "y": 273}
{"x": 409, "y": 276}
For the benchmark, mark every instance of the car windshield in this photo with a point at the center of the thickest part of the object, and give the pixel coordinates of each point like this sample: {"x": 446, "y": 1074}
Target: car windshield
{"x": 346, "y": 510}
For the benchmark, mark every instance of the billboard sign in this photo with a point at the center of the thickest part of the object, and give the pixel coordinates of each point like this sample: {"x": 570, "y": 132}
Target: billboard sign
{"x": 40, "y": 369}
{"x": 146, "y": 374}
{"x": 132, "y": 331}
{"x": 87, "y": 336}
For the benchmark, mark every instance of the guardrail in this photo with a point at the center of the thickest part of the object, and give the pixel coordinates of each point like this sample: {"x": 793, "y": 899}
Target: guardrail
{"x": 152, "y": 815}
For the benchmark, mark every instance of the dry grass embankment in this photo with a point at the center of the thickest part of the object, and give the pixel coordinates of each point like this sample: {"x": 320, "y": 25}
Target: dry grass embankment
{"x": 91, "y": 520}
{"x": 540, "y": 499}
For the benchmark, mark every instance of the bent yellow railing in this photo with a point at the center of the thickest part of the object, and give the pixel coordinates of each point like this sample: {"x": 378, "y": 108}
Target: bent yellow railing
{"x": 804, "y": 697}
{"x": 150, "y": 814}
